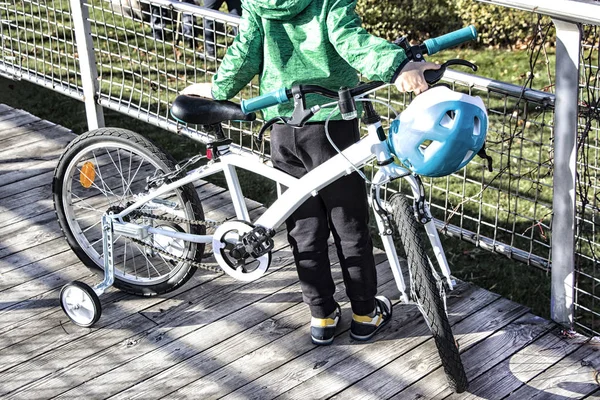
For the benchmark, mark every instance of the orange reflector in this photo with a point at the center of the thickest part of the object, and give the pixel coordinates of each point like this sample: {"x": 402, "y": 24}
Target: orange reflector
{"x": 87, "y": 175}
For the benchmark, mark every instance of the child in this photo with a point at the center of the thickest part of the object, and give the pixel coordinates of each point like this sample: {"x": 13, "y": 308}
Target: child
{"x": 291, "y": 42}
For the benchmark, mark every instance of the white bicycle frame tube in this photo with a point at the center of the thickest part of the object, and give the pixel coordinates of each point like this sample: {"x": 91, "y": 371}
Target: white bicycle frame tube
{"x": 298, "y": 190}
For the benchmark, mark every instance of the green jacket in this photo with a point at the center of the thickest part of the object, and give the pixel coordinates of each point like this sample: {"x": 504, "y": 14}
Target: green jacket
{"x": 291, "y": 42}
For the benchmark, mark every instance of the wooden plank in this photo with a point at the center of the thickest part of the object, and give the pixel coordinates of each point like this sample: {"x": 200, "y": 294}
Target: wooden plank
{"x": 393, "y": 362}
{"x": 266, "y": 318}
{"x": 293, "y": 359}
{"x": 510, "y": 374}
{"x": 117, "y": 337}
{"x": 197, "y": 313}
{"x": 573, "y": 377}
{"x": 33, "y": 270}
{"x": 16, "y": 188}
{"x": 12, "y": 113}
{"x": 28, "y": 168}
{"x": 224, "y": 351}
{"x": 33, "y": 342}
{"x": 163, "y": 343}
{"x": 477, "y": 359}
{"x": 32, "y": 255}
{"x": 40, "y": 133}
{"x": 34, "y": 202}
{"x": 14, "y": 119}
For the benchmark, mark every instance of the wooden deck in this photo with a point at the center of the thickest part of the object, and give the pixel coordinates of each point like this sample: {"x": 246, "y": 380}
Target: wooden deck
{"x": 217, "y": 337}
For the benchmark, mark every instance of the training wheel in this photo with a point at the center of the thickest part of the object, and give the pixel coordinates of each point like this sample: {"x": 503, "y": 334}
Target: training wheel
{"x": 80, "y": 303}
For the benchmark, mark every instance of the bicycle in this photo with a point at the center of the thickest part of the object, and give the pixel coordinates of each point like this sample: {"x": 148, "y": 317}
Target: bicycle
{"x": 128, "y": 210}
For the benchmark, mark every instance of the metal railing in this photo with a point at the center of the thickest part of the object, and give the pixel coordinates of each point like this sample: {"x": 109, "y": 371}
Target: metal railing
{"x": 141, "y": 54}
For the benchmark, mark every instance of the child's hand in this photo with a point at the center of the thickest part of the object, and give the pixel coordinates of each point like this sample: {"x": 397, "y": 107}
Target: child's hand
{"x": 199, "y": 89}
{"x": 411, "y": 77}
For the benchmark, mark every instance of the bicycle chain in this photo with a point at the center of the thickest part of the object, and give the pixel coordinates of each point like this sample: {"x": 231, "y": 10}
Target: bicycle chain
{"x": 191, "y": 261}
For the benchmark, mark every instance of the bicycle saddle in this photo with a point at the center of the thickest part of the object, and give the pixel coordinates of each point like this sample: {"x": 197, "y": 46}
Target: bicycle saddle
{"x": 202, "y": 111}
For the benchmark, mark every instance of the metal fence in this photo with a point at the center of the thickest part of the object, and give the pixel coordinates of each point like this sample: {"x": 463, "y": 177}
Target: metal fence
{"x": 144, "y": 53}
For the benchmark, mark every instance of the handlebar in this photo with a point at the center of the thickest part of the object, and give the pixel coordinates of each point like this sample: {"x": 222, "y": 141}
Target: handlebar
{"x": 451, "y": 39}
{"x": 283, "y": 95}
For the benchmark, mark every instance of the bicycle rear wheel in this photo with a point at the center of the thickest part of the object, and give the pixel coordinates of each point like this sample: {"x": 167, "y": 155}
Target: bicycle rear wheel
{"x": 427, "y": 290}
{"x": 105, "y": 170}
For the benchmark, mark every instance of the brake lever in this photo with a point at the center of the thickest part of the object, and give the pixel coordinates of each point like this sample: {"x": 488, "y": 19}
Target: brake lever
{"x": 432, "y": 76}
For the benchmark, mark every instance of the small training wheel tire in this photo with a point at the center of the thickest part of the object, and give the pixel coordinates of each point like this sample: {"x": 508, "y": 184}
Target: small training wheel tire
{"x": 80, "y": 303}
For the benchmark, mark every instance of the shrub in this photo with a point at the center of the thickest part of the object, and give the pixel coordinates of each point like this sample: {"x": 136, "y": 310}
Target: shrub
{"x": 417, "y": 19}
{"x": 420, "y": 19}
{"x": 497, "y": 25}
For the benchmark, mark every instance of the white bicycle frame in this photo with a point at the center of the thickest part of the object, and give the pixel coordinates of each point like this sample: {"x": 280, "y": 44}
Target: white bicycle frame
{"x": 298, "y": 190}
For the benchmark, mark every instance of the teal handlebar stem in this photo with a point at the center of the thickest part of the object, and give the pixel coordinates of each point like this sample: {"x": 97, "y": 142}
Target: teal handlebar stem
{"x": 266, "y": 100}
{"x": 451, "y": 39}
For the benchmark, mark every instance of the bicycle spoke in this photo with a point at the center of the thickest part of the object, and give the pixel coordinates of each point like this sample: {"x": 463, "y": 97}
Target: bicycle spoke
{"x": 99, "y": 171}
{"x": 92, "y": 226}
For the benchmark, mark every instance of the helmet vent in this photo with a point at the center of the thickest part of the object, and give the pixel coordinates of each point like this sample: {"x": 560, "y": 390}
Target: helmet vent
{"x": 468, "y": 157}
{"x": 476, "y": 126}
{"x": 448, "y": 119}
{"x": 425, "y": 144}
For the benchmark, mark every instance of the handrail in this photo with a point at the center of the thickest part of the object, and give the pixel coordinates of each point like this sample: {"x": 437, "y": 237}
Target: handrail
{"x": 500, "y": 87}
{"x": 579, "y": 11}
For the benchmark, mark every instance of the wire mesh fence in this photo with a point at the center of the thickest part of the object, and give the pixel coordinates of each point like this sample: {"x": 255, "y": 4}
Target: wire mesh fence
{"x": 146, "y": 52}
{"x": 587, "y": 294}
{"x": 37, "y": 43}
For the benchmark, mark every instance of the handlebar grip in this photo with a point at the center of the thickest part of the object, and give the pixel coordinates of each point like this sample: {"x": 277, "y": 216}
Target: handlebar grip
{"x": 266, "y": 100}
{"x": 450, "y": 39}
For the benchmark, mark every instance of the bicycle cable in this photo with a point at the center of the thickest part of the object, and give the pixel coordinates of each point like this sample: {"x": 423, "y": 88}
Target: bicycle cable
{"x": 362, "y": 175}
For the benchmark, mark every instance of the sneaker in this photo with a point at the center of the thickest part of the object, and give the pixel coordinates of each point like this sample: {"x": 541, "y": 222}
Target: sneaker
{"x": 364, "y": 327}
{"x": 322, "y": 330}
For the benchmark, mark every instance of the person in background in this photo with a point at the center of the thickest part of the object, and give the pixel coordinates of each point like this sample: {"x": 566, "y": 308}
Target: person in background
{"x": 160, "y": 17}
{"x": 210, "y": 37}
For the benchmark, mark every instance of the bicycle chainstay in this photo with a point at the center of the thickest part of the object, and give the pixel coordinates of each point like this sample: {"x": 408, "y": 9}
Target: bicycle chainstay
{"x": 194, "y": 263}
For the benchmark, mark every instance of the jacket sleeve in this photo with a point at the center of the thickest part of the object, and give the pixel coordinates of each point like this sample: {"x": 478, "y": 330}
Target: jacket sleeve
{"x": 374, "y": 57}
{"x": 242, "y": 60}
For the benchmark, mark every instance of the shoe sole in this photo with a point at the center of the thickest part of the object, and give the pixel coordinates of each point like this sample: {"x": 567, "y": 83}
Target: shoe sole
{"x": 321, "y": 342}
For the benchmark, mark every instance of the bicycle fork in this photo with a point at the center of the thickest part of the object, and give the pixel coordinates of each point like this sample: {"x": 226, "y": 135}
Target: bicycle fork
{"x": 422, "y": 214}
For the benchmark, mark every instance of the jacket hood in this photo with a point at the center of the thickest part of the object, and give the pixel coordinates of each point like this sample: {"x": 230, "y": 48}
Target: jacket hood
{"x": 278, "y": 9}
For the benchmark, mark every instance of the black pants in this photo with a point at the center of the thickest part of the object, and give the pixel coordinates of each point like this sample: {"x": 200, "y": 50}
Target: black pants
{"x": 234, "y": 7}
{"x": 340, "y": 209}
{"x": 161, "y": 17}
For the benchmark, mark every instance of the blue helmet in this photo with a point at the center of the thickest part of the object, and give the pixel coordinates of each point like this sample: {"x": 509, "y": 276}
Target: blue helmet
{"x": 439, "y": 132}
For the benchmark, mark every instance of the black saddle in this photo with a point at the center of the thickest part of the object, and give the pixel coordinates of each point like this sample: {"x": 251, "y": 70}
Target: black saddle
{"x": 201, "y": 111}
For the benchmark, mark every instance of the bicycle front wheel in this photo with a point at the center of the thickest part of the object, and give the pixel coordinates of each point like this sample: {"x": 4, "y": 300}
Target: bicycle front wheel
{"x": 106, "y": 170}
{"x": 427, "y": 290}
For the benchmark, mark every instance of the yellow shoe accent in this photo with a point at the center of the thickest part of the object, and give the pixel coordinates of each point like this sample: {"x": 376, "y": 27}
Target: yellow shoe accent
{"x": 322, "y": 322}
{"x": 365, "y": 319}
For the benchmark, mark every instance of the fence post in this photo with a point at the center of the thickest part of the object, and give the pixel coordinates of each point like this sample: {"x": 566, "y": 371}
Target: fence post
{"x": 568, "y": 37}
{"x": 87, "y": 63}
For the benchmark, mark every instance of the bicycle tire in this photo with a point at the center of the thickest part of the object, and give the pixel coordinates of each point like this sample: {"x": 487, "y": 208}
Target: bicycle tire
{"x": 105, "y": 168}
{"x": 425, "y": 290}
